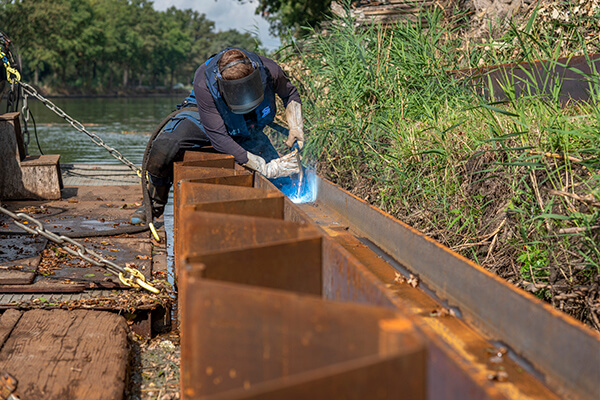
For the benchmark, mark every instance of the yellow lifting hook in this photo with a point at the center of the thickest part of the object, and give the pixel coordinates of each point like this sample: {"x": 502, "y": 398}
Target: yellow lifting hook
{"x": 140, "y": 280}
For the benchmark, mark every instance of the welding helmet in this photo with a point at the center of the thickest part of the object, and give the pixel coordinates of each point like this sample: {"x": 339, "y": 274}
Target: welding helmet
{"x": 241, "y": 95}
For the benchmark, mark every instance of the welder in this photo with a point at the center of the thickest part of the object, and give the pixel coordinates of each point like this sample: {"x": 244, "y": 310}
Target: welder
{"x": 235, "y": 96}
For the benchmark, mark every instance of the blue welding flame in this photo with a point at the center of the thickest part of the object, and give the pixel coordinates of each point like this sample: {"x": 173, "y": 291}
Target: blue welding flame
{"x": 302, "y": 192}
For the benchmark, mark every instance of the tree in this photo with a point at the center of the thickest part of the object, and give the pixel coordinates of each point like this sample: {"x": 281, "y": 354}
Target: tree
{"x": 34, "y": 40}
{"x": 293, "y": 16}
{"x": 233, "y": 38}
{"x": 99, "y": 45}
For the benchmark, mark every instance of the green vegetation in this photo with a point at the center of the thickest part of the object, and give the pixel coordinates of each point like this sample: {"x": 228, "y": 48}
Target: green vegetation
{"x": 511, "y": 184}
{"x": 95, "y": 46}
{"x": 293, "y": 16}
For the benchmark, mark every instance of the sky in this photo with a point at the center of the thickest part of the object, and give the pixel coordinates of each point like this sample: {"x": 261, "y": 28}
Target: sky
{"x": 227, "y": 14}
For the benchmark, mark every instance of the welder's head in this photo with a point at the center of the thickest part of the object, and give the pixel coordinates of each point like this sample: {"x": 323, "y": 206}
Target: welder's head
{"x": 239, "y": 82}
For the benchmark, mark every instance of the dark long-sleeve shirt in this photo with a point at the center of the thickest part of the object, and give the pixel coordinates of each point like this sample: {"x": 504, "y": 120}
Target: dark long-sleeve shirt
{"x": 213, "y": 122}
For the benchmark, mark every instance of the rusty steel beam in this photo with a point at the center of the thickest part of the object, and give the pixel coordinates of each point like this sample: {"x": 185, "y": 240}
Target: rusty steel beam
{"x": 193, "y": 192}
{"x": 221, "y": 244}
{"x": 459, "y": 366}
{"x": 576, "y": 76}
{"x": 227, "y": 198}
{"x": 225, "y": 176}
{"x": 208, "y": 159}
{"x": 291, "y": 212}
{"x": 202, "y": 175}
{"x": 240, "y": 341}
{"x": 231, "y": 199}
{"x": 214, "y": 176}
{"x": 269, "y": 207}
{"x": 293, "y": 265}
{"x": 565, "y": 351}
{"x": 193, "y": 195}
{"x": 343, "y": 278}
{"x": 458, "y": 357}
{"x": 201, "y": 232}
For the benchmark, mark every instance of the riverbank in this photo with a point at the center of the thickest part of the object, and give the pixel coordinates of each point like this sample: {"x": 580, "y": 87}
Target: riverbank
{"x": 510, "y": 183}
{"x": 132, "y": 92}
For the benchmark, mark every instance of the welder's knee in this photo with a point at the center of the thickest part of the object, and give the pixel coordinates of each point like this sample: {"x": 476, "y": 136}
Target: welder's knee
{"x": 162, "y": 154}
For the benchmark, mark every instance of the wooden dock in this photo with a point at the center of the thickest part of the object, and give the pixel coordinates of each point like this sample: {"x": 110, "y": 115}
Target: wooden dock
{"x": 64, "y": 322}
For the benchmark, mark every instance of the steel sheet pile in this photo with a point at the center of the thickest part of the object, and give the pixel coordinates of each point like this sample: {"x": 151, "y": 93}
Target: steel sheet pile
{"x": 254, "y": 320}
{"x": 271, "y": 306}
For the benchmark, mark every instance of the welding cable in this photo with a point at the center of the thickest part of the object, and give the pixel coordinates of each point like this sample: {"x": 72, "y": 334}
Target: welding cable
{"x": 145, "y": 192}
{"x": 35, "y": 133}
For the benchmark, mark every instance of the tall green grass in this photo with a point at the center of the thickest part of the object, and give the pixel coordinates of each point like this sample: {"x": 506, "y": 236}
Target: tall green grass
{"x": 512, "y": 185}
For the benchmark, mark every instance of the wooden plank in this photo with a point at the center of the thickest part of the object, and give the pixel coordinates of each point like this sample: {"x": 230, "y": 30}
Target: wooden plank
{"x": 41, "y": 287}
{"x": 42, "y": 177}
{"x": 8, "y": 320}
{"x": 16, "y": 277}
{"x": 59, "y": 354}
{"x": 27, "y": 297}
{"x": 5, "y": 298}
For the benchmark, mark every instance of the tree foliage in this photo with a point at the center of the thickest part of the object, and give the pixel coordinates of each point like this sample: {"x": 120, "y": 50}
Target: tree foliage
{"x": 293, "y": 16}
{"x": 107, "y": 45}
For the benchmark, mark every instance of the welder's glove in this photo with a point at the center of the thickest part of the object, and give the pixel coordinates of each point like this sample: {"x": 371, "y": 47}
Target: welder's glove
{"x": 293, "y": 114}
{"x": 278, "y": 168}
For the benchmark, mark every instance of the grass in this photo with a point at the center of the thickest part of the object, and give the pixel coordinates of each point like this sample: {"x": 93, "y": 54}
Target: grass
{"x": 511, "y": 184}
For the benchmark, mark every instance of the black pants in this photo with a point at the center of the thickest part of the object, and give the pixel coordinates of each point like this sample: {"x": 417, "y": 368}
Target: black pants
{"x": 169, "y": 147}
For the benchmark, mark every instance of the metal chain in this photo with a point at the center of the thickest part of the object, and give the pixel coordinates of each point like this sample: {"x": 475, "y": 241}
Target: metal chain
{"x": 25, "y": 109}
{"x": 79, "y": 126}
{"x": 91, "y": 256}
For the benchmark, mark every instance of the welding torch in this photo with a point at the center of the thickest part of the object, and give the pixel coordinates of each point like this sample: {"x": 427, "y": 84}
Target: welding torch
{"x": 300, "y": 167}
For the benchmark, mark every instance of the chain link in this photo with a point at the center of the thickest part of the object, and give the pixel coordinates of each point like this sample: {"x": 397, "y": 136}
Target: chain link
{"x": 25, "y": 109}
{"x": 37, "y": 228}
{"x": 79, "y": 126}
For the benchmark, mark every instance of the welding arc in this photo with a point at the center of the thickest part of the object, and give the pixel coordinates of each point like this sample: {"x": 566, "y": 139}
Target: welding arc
{"x": 301, "y": 174}
{"x": 285, "y": 131}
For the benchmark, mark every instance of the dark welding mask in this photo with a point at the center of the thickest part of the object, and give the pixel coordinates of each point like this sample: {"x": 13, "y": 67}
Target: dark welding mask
{"x": 241, "y": 95}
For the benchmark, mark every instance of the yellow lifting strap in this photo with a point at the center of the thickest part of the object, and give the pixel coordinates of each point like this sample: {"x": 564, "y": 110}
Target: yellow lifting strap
{"x": 154, "y": 232}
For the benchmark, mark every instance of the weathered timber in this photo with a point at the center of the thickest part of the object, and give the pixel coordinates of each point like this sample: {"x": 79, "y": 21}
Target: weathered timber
{"x": 8, "y": 320}
{"x": 22, "y": 176}
{"x": 41, "y": 177}
{"x": 13, "y": 119}
{"x": 386, "y": 13}
{"x": 42, "y": 287}
{"x": 68, "y": 355}
{"x": 10, "y": 168}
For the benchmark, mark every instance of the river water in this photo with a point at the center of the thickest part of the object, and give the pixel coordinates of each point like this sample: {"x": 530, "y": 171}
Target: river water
{"x": 124, "y": 124}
